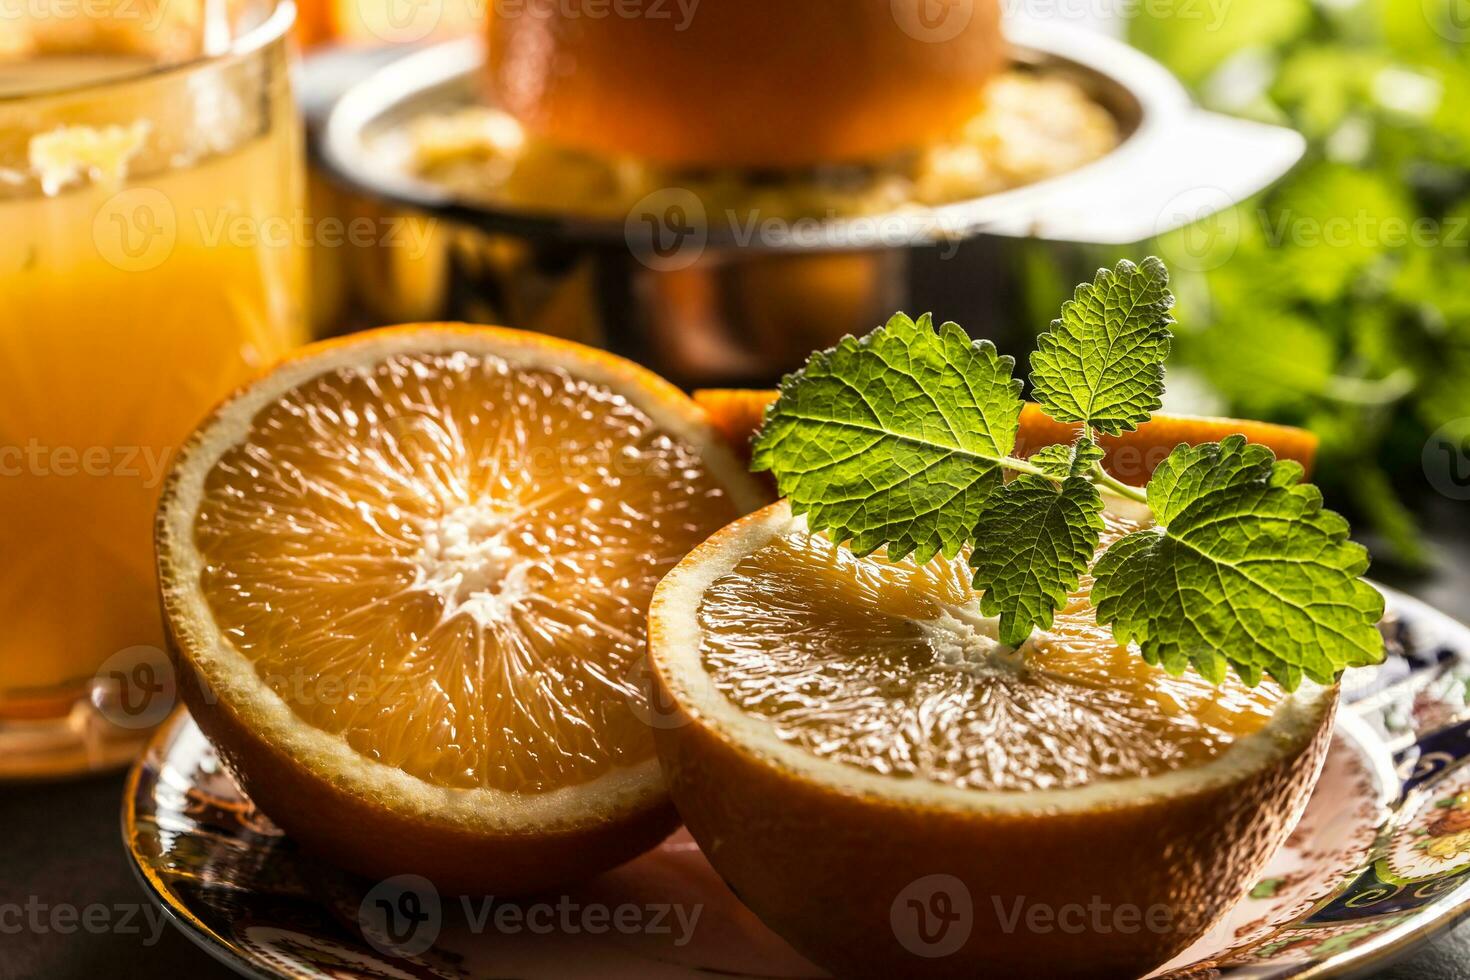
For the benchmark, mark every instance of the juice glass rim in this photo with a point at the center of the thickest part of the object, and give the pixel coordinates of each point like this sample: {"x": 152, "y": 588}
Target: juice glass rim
{"x": 272, "y": 29}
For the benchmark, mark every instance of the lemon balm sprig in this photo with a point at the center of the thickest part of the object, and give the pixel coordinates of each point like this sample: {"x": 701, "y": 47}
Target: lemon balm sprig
{"x": 906, "y": 439}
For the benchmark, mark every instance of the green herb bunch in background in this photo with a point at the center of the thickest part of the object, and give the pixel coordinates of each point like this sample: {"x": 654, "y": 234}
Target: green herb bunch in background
{"x": 1340, "y": 300}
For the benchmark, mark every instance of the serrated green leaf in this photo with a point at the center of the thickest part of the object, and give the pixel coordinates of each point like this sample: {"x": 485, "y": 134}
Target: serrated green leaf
{"x": 1102, "y": 362}
{"x": 1055, "y": 461}
{"x": 1032, "y": 544}
{"x": 895, "y": 439}
{"x": 1085, "y": 452}
{"x": 1064, "y": 460}
{"x": 1246, "y": 571}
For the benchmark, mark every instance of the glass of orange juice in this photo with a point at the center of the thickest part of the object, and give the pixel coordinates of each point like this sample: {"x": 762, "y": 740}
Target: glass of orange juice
{"x": 151, "y": 258}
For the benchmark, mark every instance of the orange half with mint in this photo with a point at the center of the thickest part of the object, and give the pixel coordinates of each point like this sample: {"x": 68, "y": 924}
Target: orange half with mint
{"x": 866, "y": 764}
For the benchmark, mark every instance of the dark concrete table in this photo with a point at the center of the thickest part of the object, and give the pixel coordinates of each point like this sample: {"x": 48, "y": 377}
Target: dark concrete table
{"x": 60, "y": 845}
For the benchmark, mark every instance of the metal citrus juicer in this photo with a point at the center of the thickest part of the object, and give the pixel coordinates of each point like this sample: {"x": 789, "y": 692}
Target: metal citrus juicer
{"x": 716, "y": 296}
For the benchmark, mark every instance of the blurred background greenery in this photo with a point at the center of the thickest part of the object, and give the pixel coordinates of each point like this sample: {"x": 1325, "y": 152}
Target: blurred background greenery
{"x": 1339, "y": 300}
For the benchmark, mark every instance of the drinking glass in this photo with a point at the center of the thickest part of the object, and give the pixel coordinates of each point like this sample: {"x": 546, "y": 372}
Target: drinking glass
{"x": 151, "y": 259}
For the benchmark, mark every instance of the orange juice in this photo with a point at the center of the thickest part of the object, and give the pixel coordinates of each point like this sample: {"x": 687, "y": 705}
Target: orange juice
{"x": 148, "y": 265}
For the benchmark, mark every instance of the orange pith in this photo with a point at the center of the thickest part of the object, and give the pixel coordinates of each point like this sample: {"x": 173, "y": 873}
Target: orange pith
{"x": 891, "y": 667}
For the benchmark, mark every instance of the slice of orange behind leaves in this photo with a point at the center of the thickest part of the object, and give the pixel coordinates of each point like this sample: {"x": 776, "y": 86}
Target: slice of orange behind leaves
{"x": 1132, "y": 457}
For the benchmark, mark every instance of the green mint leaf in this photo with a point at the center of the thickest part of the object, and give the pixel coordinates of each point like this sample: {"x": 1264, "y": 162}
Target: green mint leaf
{"x": 1246, "y": 570}
{"x": 896, "y": 439}
{"x": 1102, "y": 363}
{"x": 1055, "y": 461}
{"x": 1062, "y": 460}
{"x": 1085, "y": 452}
{"x": 1031, "y": 546}
{"x": 902, "y": 439}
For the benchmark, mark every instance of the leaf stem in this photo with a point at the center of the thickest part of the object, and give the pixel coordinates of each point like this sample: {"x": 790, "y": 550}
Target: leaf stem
{"x": 1102, "y": 479}
{"x": 1022, "y": 466}
{"x": 1097, "y": 474}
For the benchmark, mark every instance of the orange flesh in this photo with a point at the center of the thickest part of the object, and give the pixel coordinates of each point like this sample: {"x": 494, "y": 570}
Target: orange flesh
{"x": 890, "y": 667}
{"x": 447, "y": 561}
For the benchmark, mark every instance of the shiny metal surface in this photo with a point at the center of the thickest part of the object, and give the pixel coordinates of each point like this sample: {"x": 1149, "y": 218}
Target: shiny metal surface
{"x": 705, "y": 302}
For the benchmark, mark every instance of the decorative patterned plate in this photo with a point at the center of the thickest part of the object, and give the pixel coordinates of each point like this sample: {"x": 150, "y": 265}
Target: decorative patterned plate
{"x": 1380, "y": 862}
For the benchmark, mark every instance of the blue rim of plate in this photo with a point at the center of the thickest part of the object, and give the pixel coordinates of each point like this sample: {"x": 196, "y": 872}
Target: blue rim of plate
{"x": 1417, "y": 704}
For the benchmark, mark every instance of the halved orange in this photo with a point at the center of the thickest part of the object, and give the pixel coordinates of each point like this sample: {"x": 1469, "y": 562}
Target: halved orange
{"x": 405, "y": 578}
{"x": 897, "y": 793}
{"x": 1131, "y": 457}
